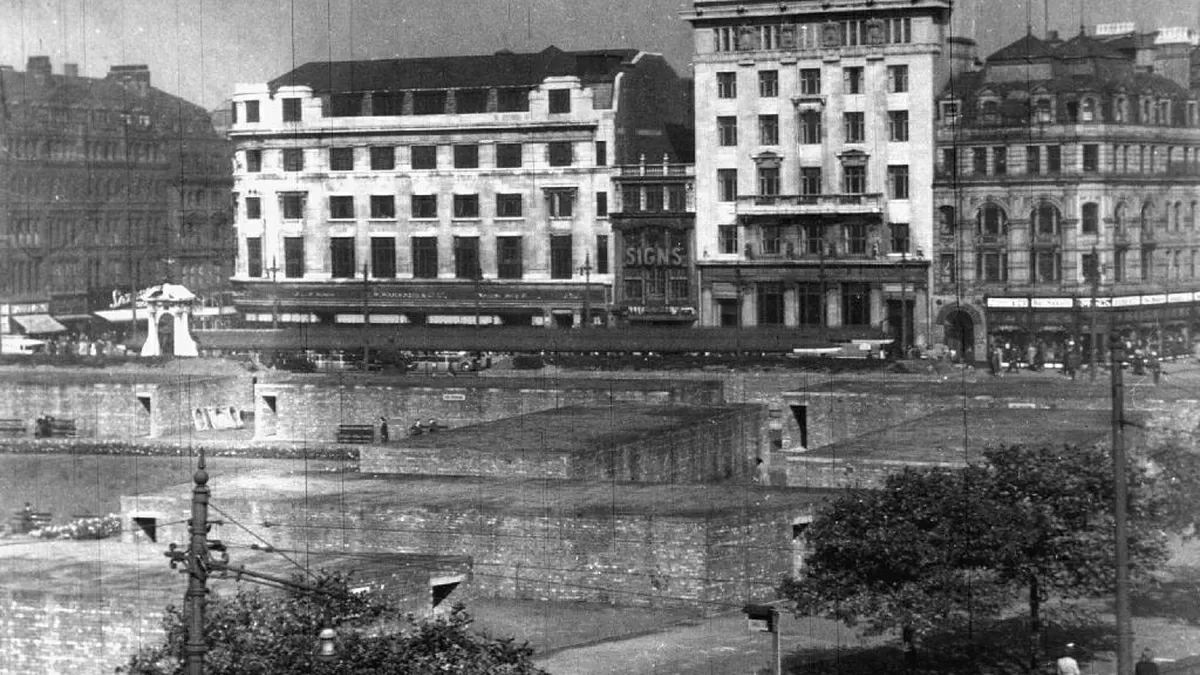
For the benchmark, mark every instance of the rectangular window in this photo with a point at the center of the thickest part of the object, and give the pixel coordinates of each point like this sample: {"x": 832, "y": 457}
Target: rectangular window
{"x": 341, "y": 207}
{"x": 1047, "y": 264}
{"x": 1033, "y": 160}
{"x": 253, "y": 161}
{"x": 898, "y": 181}
{"x": 346, "y": 105}
{"x": 768, "y": 129}
{"x": 466, "y": 206}
{"x": 387, "y": 103}
{"x": 508, "y": 206}
{"x": 253, "y": 208}
{"x": 727, "y": 131}
{"x": 1147, "y": 263}
{"x": 602, "y": 254}
{"x": 810, "y": 81}
{"x": 854, "y": 180}
{"x": 254, "y": 262}
{"x": 1053, "y": 159}
{"x": 768, "y": 83}
{"x": 676, "y": 198}
{"x": 341, "y": 257}
{"x": 466, "y": 156}
{"x": 950, "y": 161}
{"x": 946, "y": 268}
{"x": 425, "y": 257}
{"x": 1089, "y": 222}
{"x": 769, "y": 303}
{"x": 512, "y": 100}
{"x": 291, "y": 109}
{"x": 899, "y": 239}
{"x": 508, "y": 155}
{"x": 856, "y": 238}
{"x": 991, "y": 266}
{"x": 383, "y": 257}
{"x": 1119, "y": 264}
{"x": 292, "y": 204}
{"x": 383, "y": 158}
{"x": 424, "y": 156}
{"x": 470, "y": 101}
{"x": 979, "y": 163}
{"x": 810, "y": 181}
{"x": 424, "y": 206}
{"x": 293, "y": 257}
{"x": 341, "y": 159}
{"x": 810, "y": 127}
{"x": 560, "y": 153}
{"x": 898, "y": 126}
{"x": 852, "y": 80}
{"x": 631, "y": 197}
{"x": 768, "y": 181}
{"x": 856, "y": 304}
{"x": 897, "y": 79}
{"x": 429, "y": 102}
{"x": 383, "y": 207}
{"x": 561, "y": 263}
{"x": 1091, "y": 157}
{"x": 855, "y": 127}
{"x": 727, "y": 85}
{"x": 508, "y": 258}
{"x": 601, "y": 153}
{"x": 252, "y": 111}
{"x": 560, "y": 101}
{"x": 561, "y": 203}
{"x": 727, "y": 234}
{"x": 814, "y": 238}
{"x": 654, "y": 198}
{"x": 1088, "y": 266}
{"x": 466, "y": 258}
{"x": 1000, "y": 161}
{"x": 727, "y": 189}
{"x": 293, "y": 159}
{"x": 601, "y": 204}
{"x": 771, "y": 236}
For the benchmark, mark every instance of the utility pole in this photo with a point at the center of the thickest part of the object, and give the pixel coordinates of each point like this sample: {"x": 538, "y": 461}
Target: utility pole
{"x": 197, "y": 563}
{"x": 366, "y": 315}
{"x": 1120, "y": 496}
{"x": 904, "y": 303}
{"x": 274, "y": 270}
{"x": 587, "y": 289}
{"x": 1094, "y": 342}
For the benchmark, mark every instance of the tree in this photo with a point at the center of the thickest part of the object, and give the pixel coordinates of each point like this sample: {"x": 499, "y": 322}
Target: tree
{"x": 257, "y": 632}
{"x": 940, "y": 547}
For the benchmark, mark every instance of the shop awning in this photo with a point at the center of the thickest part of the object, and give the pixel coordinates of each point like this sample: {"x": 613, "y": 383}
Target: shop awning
{"x": 121, "y": 315}
{"x": 39, "y": 324}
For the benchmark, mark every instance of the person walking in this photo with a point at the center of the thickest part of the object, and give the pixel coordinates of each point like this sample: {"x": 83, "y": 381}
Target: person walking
{"x": 1066, "y": 664}
{"x": 383, "y": 429}
{"x": 1146, "y": 664}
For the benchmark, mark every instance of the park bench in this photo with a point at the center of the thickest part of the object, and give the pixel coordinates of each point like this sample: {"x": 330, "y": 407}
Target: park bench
{"x": 62, "y": 428}
{"x": 24, "y": 521}
{"x": 356, "y": 433}
{"x": 12, "y": 427}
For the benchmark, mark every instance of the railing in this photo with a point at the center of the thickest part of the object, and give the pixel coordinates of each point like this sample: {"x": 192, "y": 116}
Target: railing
{"x": 663, "y": 168}
{"x": 833, "y": 199}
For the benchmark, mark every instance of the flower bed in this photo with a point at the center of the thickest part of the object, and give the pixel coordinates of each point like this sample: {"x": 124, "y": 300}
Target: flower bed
{"x": 161, "y": 449}
{"x": 100, "y": 527}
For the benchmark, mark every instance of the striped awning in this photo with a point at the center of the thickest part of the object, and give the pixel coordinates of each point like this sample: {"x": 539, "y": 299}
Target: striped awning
{"x": 38, "y": 324}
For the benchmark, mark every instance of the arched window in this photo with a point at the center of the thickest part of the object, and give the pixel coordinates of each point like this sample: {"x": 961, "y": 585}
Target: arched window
{"x": 991, "y": 220}
{"x": 991, "y": 112}
{"x": 1146, "y": 217}
{"x": 1045, "y": 219}
{"x": 1192, "y": 216}
{"x": 1120, "y": 109}
{"x": 1178, "y": 216}
{"x": 1089, "y": 222}
{"x": 946, "y": 219}
{"x": 1119, "y": 218}
{"x": 1177, "y": 265}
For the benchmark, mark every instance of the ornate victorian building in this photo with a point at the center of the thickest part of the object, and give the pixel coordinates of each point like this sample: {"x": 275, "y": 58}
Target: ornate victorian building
{"x": 106, "y": 186}
{"x": 470, "y": 189}
{"x": 1067, "y": 191}
{"x": 814, "y": 170}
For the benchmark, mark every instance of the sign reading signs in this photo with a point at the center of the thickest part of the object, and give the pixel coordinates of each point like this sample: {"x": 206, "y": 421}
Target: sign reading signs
{"x": 650, "y": 256}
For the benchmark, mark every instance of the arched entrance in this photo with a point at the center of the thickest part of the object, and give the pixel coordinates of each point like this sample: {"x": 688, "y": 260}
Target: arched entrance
{"x": 960, "y": 333}
{"x": 166, "y": 333}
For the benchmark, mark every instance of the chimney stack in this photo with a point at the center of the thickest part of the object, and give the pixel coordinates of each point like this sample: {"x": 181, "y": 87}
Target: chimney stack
{"x": 134, "y": 78}
{"x": 38, "y": 68}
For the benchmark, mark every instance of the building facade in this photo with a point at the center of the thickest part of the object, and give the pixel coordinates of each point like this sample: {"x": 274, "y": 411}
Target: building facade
{"x": 109, "y": 186}
{"x": 814, "y": 170}
{"x": 472, "y": 189}
{"x": 1067, "y": 194}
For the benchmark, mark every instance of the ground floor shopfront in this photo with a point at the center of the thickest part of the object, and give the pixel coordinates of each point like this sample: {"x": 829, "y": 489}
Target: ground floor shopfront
{"x": 467, "y": 302}
{"x": 1164, "y": 323}
{"x": 885, "y": 295}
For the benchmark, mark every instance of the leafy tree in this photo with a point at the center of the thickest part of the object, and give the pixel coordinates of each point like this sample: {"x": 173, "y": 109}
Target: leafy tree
{"x": 257, "y": 632}
{"x": 942, "y": 547}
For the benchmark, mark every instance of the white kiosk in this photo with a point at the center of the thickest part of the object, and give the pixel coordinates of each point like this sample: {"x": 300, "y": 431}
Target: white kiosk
{"x": 176, "y": 301}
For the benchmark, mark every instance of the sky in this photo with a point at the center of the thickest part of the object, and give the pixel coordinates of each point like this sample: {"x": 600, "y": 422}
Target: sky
{"x": 199, "y": 49}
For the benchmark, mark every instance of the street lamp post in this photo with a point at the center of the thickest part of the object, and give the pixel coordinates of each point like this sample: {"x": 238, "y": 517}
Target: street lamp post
{"x": 1095, "y": 348}
{"x": 587, "y": 289}
{"x": 274, "y": 270}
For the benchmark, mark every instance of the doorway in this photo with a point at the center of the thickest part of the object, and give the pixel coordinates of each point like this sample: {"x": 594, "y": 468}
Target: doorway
{"x": 960, "y": 334}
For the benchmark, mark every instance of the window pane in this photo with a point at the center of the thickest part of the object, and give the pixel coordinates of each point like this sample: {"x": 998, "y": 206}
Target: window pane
{"x": 383, "y": 206}
{"x": 341, "y": 159}
{"x": 254, "y": 263}
{"x": 383, "y": 158}
{"x": 508, "y": 155}
{"x": 424, "y": 206}
{"x": 508, "y": 206}
{"x": 424, "y": 157}
{"x": 341, "y": 207}
{"x": 508, "y": 258}
{"x": 425, "y": 262}
{"x": 293, "y": 257}
{"x": 293, "y": 159}
{"x": 560, "y": 257}
{"x": 383, "y": 257}
{"x": 466, "y": 156}
{"x": 466, "y": 206}
{"x": 341, "y": 257}
{"x": 466, "y": 258}
{"x": 291, "y": 110}
{"x": 561, "y": 153}
{"x": 560, "y": 101}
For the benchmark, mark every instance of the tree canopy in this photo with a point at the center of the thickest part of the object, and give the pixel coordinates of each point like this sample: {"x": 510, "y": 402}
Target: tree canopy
{"x": 261, "y": 632}
{"x": 935, "y": 548}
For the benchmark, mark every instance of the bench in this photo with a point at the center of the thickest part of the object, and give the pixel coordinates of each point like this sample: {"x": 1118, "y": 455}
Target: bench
{"x": 356, "y": 433}
{"x": 62, "y": 428}
{"x": 12, "y": 427}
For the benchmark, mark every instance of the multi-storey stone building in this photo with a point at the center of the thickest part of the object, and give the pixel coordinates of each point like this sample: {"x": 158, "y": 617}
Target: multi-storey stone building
{"x": 1067, "y": 192}
{"x": 471, "y": 189}
{"x": 106, "y": 186}
{"x": 814, "y": 170}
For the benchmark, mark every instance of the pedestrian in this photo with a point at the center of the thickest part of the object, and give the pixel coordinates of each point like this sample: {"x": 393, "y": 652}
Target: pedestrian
{"x": 1146, "y": 664}
{"x": 1011, "y": 355}
{"x": 1067, "y": 665}
{"x": 1031, "y": 356}
{"x": 1071, "y": 359}
{"x": 1155, "y": 366}
{"x": 416, "y": 429}
{"x": 383, "y": 429}
{"x": 994, "y": 361}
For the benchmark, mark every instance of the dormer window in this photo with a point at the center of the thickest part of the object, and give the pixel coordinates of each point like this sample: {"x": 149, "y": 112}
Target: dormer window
{"x": 990, "y": 112}
{"x": 1043, "y": 111}
{"x": 1087, "y": 110}
{"x": 949, "y": 111}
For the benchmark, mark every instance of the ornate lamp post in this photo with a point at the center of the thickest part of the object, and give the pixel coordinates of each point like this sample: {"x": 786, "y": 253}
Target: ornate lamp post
{"x": 274, "y": 270}
{"x": 586, "y": 269}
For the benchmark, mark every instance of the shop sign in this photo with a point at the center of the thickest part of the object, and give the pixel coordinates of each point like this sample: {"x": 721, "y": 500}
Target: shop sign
{"x": 1180, "y": 297}
{"x": 642, "y": 310}
{"x": 1157, "y": 299}
{"x": 651, "y": 256}
{"x": 20, "y": 308}
{"x": 431, "y": 294}
{"x": 1053, "y": 303}
{"x": 1126, "y": 301}
{"x": 1008, "y": 303}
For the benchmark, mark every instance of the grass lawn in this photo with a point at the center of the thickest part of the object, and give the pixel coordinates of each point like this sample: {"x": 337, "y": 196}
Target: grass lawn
{"x": 67, "y": 485}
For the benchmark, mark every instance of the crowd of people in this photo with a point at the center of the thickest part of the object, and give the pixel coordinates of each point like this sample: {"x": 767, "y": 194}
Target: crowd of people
{"x": 1142, "y": 355}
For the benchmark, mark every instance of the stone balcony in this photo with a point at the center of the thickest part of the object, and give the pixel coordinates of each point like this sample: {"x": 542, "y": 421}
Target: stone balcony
{"x": 844, "y": 203}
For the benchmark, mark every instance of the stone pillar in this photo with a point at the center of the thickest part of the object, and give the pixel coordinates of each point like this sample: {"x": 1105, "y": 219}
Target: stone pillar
{"x": 749, "y": 306}
{"x": 151, "y": 346}
{"x": 185, "y": 345}
{"x": 791, "y": 306}
{"x": 710, "y": 315}
{"x": 878, "y": 308}
{"x": 833, "y": 305}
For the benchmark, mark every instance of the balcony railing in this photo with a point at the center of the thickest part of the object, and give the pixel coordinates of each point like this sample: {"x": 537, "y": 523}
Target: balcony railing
{"x": 837, "y": 202}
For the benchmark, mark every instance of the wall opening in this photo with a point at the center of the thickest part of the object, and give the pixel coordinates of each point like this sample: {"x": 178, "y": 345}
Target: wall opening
{"x": 145, "y": 401}
{"x": 269, "y": 401}
{"x": 147, "y": 526}
{"x": 800, "y": 412}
